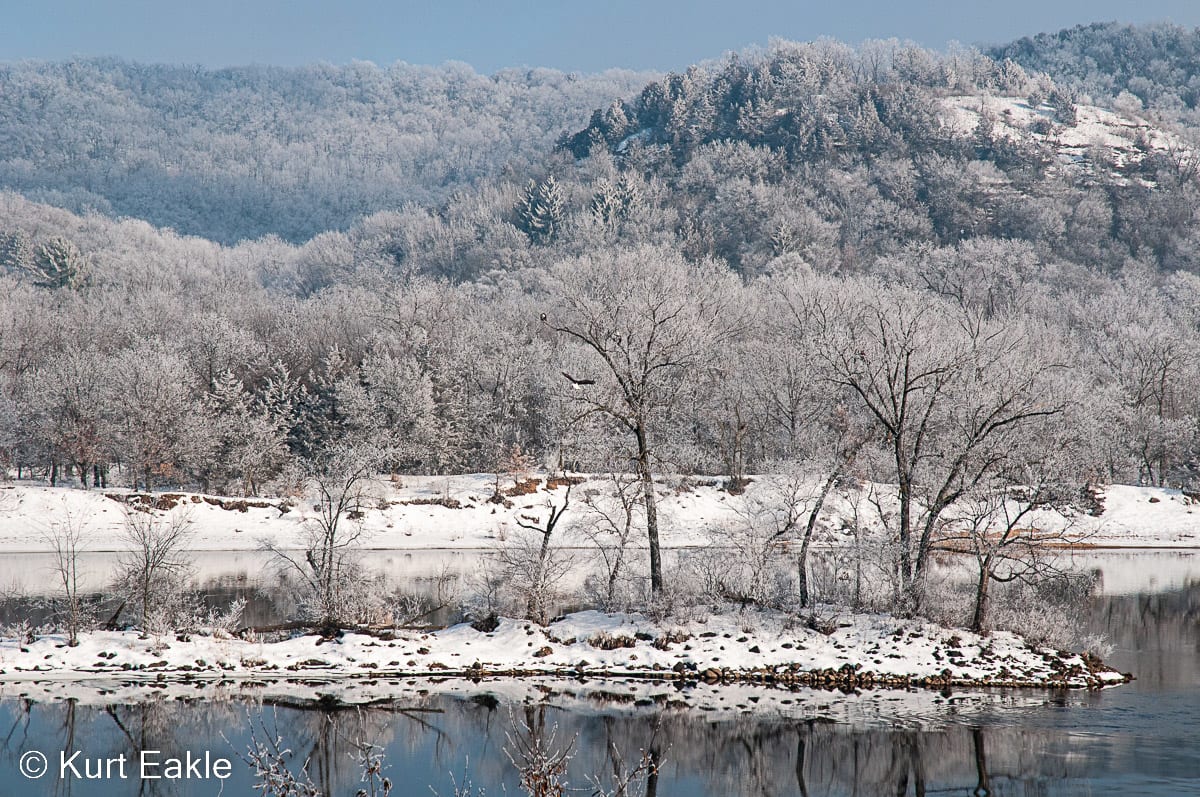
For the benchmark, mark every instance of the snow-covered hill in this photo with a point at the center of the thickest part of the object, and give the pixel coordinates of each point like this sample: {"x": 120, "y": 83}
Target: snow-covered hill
{"x": 1096, "y": 139}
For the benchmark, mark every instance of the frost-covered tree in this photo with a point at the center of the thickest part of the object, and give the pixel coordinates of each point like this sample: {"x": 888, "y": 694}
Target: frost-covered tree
{"x": 157, "y": 416}
{"x": 540, "y": 211}
{"x": 640, "y": 322}
{"x": 57, "y": 263}
{"x": 153, "y": 570}
{"x": 334, "y": 589}
{"x": 944, "y": 396}
{"x": 68, "y": 414}
{"x": 247, "y": 445}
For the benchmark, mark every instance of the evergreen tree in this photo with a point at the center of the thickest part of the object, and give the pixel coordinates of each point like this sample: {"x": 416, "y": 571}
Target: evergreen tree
{"x": 247, "y": 443}
{"x": 540, "y": 213}
{"x": 606, "y": 205}
{"x": 16, "y": 252}
{"x": 58, "y": 263}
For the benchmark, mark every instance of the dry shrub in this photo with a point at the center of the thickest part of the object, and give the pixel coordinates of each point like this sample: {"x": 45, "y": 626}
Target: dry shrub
{"x": 524, "y": 487}
{"x": 441, "y": 500}
{"x": 554, "y": 482}
{"x": 677, "y": 637}
{"x": 606, "y": 641}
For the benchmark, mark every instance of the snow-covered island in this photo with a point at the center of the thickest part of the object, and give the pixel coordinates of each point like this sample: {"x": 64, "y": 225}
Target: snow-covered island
{"x": 848, "y": 652}
{"x": 824, "y": 646}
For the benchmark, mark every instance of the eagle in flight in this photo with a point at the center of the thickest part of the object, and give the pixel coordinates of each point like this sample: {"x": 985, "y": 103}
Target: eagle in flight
{"x": 578, "y": 383}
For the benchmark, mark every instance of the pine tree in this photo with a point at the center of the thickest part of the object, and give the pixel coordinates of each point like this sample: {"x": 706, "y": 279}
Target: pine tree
{"x": 613, "y": 203}
{"x": 630, "y": 193}
{"x": 607, "y": 206}
{"x": 58, "y": 263}
{"x": 248, "y": 444}
{"x": 16, "y": 252}
{"x": 540, "y": 213}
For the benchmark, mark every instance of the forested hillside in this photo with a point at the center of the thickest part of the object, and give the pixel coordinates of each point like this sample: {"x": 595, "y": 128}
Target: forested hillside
{"x": 241, "y": 153}
{"x": 1157, "y": 65}
{"x": 724, "y": 271}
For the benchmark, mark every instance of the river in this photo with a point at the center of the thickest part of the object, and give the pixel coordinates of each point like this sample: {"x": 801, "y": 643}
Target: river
{"x": 1138, "y": 739}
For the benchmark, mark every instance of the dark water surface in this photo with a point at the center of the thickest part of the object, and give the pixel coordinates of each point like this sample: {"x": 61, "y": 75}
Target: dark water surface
{"x": 1140, "y": 739}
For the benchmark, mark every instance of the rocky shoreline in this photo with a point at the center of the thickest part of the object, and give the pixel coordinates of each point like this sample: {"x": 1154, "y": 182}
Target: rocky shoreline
{"x": 849, "y": 652}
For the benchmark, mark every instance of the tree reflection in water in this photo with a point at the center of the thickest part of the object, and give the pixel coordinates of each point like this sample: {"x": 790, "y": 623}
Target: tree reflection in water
{"x": 426, "y": 742}
{"x": 1146, "y": 733}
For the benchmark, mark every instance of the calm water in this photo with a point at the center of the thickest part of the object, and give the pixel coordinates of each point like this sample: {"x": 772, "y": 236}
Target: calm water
{"x": 1140, "y": 739}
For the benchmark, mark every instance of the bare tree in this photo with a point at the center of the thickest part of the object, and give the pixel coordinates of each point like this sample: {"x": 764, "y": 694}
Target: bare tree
{"x": 1015, "y": 522}
{"x": 644, "y": 320}
{"x": 65, "y": 538}
{"x": 821, "y": 427}
{"x": 267, "y": 757}
{"x": 153, "y": 569}
{"x": 328, "y": 567}
{"x": 544, "y": 528}
{"x": 944, "y": 391}
{"x": 527, "y": 568}
{"x": 538, "y": 755}
{"x": 612, "y": 518}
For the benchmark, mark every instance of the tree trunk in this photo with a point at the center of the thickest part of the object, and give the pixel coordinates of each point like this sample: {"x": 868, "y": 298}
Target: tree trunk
{"x": 615, "y": 574}
{"x": 535, "y": 608}
{"x": 809, "y": 528}
{"x": 981, "y": 596}
{"x": 652, "y": 775}
{"x": 924, "y": 548}
{"x": 904, "y": 490}
{"x": 53, "y": 474}
{"x": 656, "y": 579}
{"x": 145, "y": 599}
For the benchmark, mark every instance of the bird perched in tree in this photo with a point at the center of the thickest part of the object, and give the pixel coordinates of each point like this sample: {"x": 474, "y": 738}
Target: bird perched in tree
{"x": 578, "y": 383}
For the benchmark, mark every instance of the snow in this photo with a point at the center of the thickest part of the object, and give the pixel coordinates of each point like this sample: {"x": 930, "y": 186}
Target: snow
{"x": 409, "y": 519}
{"x": 403, "y": 525}
{"x": 731, "y": 645}
{"x": 1013, "y": 118}
{"x": 399, "y": 517}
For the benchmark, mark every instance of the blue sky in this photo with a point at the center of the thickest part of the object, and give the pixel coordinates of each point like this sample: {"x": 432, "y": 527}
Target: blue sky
{"x": 490, "y": 34}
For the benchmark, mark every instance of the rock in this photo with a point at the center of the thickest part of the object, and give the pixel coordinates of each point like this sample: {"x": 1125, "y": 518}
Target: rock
{"x": 542, "y": 652}
{"x": 486, "y": 624}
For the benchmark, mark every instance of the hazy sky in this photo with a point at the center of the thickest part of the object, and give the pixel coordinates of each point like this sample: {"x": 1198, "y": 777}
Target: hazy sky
{"x": 490, "y": 34}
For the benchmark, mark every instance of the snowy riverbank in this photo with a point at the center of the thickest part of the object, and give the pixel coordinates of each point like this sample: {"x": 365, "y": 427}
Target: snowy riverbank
{"x": 426, "y": 512}
{"x": 847, "y": 651}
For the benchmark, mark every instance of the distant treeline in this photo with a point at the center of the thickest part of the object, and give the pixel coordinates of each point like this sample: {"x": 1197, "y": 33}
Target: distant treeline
{"x": 801, "y": 225}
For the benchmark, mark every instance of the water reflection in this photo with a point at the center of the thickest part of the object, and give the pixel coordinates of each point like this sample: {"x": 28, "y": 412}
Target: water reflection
{"x": 437, "y": 741}
{"x": 1154, "y": 635}
{"x": 1138, "y": 739}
